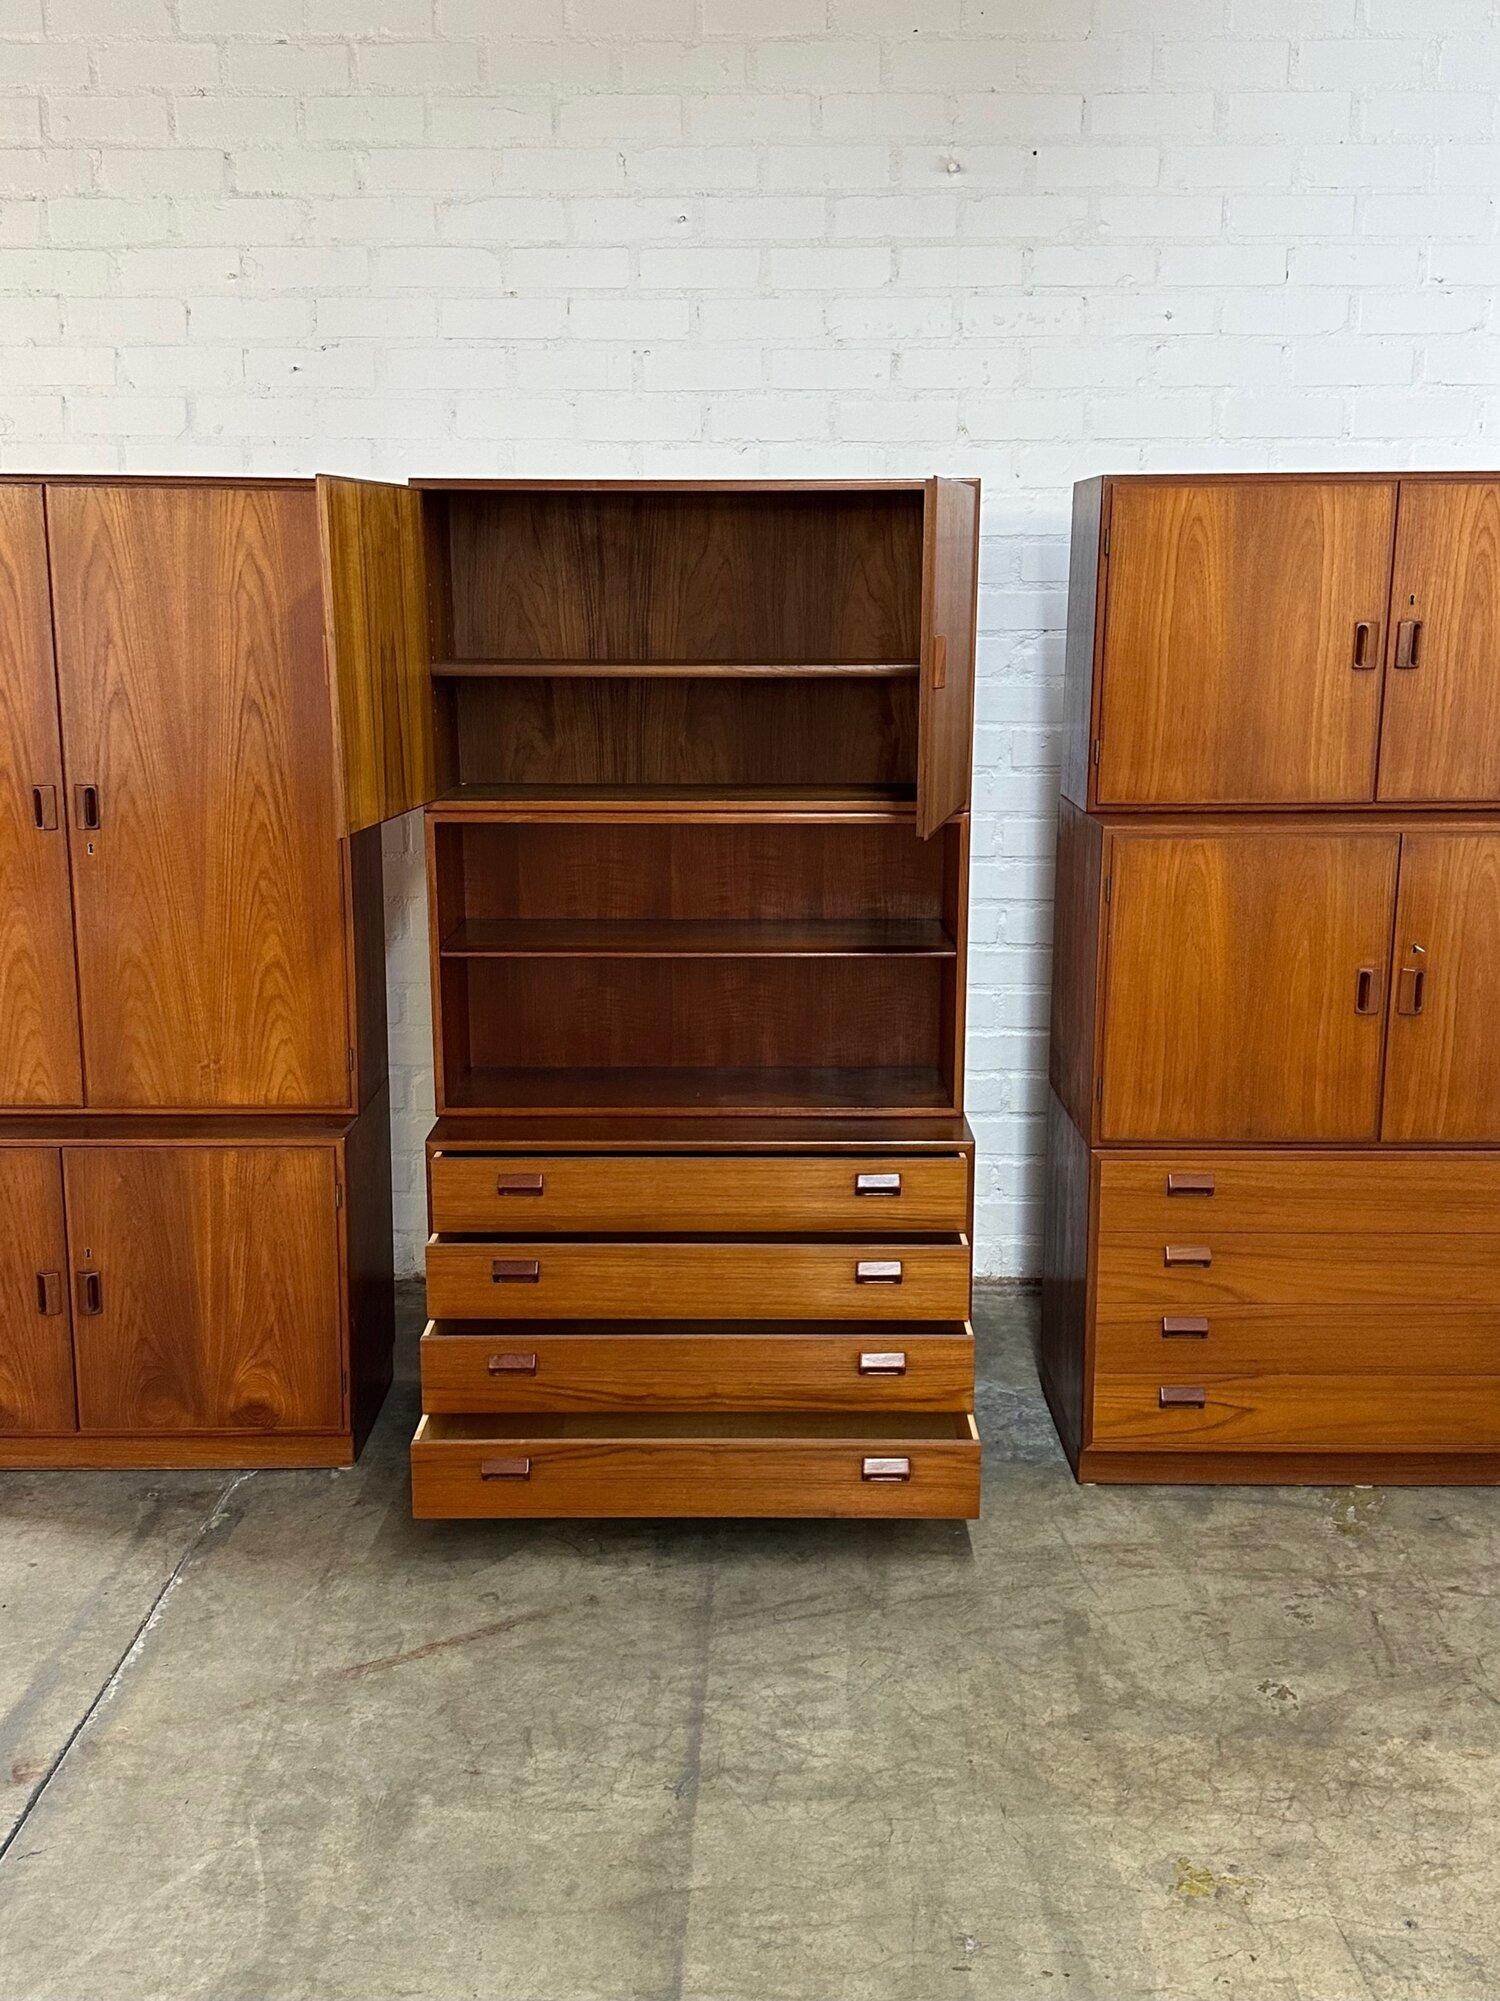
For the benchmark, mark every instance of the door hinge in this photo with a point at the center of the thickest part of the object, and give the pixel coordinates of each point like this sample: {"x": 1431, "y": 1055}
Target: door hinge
{"x": 338, "y": 1194}
{"x": 1109, "y": 888}
{"x": 1098, "y": 746}
{"x": 1099, "y": 1087}
{"x": 1106, "y": 538}
{"x": 349, "y": 1060}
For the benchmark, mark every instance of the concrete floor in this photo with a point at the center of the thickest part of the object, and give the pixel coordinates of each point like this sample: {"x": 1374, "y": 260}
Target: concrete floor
{"x": 264, "y": 1736}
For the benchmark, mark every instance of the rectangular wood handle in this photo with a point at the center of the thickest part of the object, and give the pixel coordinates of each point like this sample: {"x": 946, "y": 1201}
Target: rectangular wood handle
{"x": 515, "y": 1271}
{"x": 1408, "y": 642}
{"x": 86, "y": 807}
{"x": 1187, "y": 1254}
{"x": 1189, "y": 1184}
{"x": 519, "y": 1184}
{"x": 885, "y": 1469}
{"x": 889, "y": 1362}
{"x": 1365, "y": 648}
{"x": 44, "y": 808}
{"x": 511, "y": 1365}
{"x": 1181, "y": 1396}
{"x": 89, "y": 1291}
{"x": 505, "y": 1469}
{"x": 878, "y": 1271}
{"x": 1184, "y": 1327}
{"x": 49, "y": 1297}
{"x": 1367, "y": 990}
{"x": 1411, "y": 990}
{"x": 877, "y": 1184}
{"x": 939, "y": 660}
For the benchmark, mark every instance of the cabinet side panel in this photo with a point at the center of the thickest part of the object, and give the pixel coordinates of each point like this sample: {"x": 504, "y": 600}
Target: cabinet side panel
{"x": 1065, "y": 1271}
{"x": 1075, "y": 962}
{"x": 370, "y": 1265}
{"x": 1085, "y": 568}
{"x": 367, "y": 914}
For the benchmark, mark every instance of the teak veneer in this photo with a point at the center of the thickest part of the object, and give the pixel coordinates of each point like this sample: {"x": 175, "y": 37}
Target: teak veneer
{"x": 1273, "y": 1187}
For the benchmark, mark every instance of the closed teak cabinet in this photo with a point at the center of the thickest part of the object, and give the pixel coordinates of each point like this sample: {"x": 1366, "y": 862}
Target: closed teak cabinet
{"x": 36, "y": 1349}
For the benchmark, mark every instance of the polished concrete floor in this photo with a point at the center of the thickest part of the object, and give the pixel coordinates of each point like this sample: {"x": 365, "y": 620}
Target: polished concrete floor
{"x": 264, "y": 1736}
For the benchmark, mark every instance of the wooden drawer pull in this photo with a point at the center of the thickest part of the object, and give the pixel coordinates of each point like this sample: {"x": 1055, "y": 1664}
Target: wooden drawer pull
{"x": 49, "y": 1298}
{"x": 44, "y": 808}
{"x": 1364, "y": 643}
{"x": 89, "y": 1291}
{"x": 520, "y": 1184}
{"x": 878, "y": 1271}
{"x": 1408, "y": 642}
{"x": 892, "y": 1363}
{"x": 1184, "y": 1327}
{"x": 86, "y": 808}
{"x": 877, "y": 1184}
{"x": 1181, "y": 1396}
{"x": 511, "y": 1365}
{"x": 1411, "y": 988}
{"x": 516, "y": 1271}
{"x": 1190, "y": 1184}
{"x": 885, "y": 1469}
{"x": 505, "y": 1469}
{"x": 1187, "y": 1254}
{"x": 1367, "y": 990}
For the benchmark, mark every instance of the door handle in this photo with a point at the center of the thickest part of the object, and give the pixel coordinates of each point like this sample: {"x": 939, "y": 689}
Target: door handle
{"x": 1366, "y": 648}
{"x": 939, "y": 660}
{"x": 515, "y": 1271}
{"x": 878, "y": 1271}
{"x": 86, "y": 807}
{"x": 49, "y": 1292}
{"x": 1367, "y": 990}
{"x": 877, "y": 1184}
{"x": 1408, "y": 643}
{"x": 1411, "y": 990}
{"x": 44, "y": 808}
{"x": 520, "y": 1184}
{"x": 89, "y": 1290}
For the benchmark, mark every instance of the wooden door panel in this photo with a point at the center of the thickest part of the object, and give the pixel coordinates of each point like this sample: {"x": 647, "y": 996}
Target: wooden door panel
{"x": 1442, "y": 1079}
{"x": 945, "y": 728}
{"x": 375, "y": 591}
{"x": 1235, "y": 668}
{"x": 194, "y": 698}
{"x": 1440, "y": 738}
{"x": 217, "y": 1274}
{"x": 39, "y": 1047}
{"x": 36, "y": 1343}
{"x": 1235, "y": 1007}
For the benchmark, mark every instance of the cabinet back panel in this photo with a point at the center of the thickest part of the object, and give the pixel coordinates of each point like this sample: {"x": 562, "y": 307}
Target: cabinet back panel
{"x": 753, "y": 871}
{"x": 703, "y": 1014}
{"x": 686, "y": 732}
{"x": 698, "y": 577}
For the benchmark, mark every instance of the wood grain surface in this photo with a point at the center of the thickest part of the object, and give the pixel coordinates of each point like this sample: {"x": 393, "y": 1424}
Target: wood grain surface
{"x": 36, "y": 1329}
{"x": 1442, "y": 1074}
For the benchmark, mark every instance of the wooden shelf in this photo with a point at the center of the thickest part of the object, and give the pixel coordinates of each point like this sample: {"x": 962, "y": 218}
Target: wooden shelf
{"x": 665, "y": 802}
{"x": 695, "y": 938}
{"x": 658, "y": 670}
{"x": 665, "y": 1089}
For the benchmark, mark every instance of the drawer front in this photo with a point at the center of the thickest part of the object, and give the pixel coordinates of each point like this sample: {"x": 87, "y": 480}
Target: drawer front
{"x": 1200, "y": 1268}
{"x": 1300, "y": 1340}
{"x": 725, "y": 1194}
{"x": 696, "y": 1281}
{"x": 522, "y": 1477}
{"x": 1183, "y": 1194}
{"x": 529, "y": 1366}
{"x": 1269, "y": 1413}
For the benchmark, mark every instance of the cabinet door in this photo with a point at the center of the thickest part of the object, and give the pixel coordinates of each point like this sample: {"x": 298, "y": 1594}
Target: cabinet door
{"x": 1442, "y": 1074}
{"x": 1440, "y": 739}
{"x": 945, "y": 728}
{"x": 1242, "y": 641}
{"x": 206, "y": 866}
{"x": 206, "y": 1288}
{"x": 1245, "y": 987}
{"x": 39, "y": 1051}
{"x": 375, "y": 589}
{"x": 36, "y": 1338}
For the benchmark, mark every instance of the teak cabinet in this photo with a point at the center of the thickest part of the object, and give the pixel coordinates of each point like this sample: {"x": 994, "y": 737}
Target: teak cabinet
{"x": 695, "y": 759}
{"x": 193, "y": 1099}
{"x": 1276, "y": 970}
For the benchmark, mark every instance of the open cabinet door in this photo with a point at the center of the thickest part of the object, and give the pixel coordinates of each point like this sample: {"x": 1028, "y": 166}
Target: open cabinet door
{"x": 950, "y": 552}
{"x": 379, "y": 657}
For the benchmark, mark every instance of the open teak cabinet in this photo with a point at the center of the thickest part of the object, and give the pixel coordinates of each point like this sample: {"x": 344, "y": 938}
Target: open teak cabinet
{"x": 695, "y": 759}
{"x": 1273, "y": 1216}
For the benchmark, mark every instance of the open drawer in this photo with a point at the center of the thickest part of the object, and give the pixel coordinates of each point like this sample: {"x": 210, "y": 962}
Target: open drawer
{"x": 515, "y": 1365}
{"x": 809, "y": 1463}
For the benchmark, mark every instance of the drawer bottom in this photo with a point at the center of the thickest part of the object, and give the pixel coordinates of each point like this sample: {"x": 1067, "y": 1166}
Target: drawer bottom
{"x": 897, "y": 1464}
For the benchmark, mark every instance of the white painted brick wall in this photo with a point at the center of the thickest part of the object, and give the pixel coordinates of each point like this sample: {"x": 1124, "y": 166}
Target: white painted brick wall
{"x": 1030, "y": 239}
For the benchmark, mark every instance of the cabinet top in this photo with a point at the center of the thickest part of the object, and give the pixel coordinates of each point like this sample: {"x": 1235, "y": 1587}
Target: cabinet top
{"x": 1283, "y": 478}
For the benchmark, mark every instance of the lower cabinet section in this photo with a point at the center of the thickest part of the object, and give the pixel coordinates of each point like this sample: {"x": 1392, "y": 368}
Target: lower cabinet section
{"x": 1273, "y": 1315}
{"x": 808, "y": 1463}
{"x": 181, "y": 1300}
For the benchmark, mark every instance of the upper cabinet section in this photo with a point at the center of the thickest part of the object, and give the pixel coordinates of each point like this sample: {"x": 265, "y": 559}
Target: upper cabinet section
{"x": 1284, "y": 641}
{"x": 791, "y": 640}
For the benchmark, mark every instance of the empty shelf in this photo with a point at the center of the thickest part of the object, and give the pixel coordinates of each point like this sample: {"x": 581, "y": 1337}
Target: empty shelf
{"x": 694, "y": 938}
{"x": 662, "y": 1088}
{"x": 656, "y": 670}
